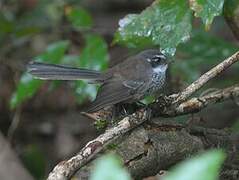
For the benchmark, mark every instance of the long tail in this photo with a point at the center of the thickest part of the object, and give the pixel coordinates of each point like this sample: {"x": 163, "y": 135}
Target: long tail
{"x": 60, "y": 72}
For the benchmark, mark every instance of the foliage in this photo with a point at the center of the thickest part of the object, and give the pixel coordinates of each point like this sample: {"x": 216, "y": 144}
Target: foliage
{"x": 203, "y": 167}
{"x": 202, "y": 50}
{"x": 166, "y": 24}
{"x": 207, "y": 10}
{"x": 151, "y": 27}
{"x": 94, "y": 56}
{"x": 15, "y": 25}
{"x": 79, "y": 17}
{"x": 148, "y": 28}
{"x": 28, "y": 86}
{"x": 109, "y": 167}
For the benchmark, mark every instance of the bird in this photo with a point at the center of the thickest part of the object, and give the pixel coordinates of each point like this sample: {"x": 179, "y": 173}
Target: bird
{"x": 127, "y": 82}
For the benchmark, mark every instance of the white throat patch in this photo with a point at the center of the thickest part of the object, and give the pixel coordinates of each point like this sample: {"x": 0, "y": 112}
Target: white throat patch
{"x": 160, "y": 68}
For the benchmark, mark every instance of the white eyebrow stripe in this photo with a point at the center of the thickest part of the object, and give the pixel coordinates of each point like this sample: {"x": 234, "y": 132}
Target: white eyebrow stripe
{"x": 160, "y": 56}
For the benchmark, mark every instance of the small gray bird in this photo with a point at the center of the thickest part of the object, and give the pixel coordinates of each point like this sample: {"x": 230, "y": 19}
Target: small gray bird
{"x": 126, "y": 82}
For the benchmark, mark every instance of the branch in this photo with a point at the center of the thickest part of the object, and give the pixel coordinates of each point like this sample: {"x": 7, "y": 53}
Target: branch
{"x": 205, "y": 78}
{"x": 66, "y": 169}
{"x": 163, "y": 143}
{"x": 198, "y": 103}
{"x": 159, "y": 144}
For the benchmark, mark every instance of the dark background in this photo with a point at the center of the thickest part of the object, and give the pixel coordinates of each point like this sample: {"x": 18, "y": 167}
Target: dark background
{"x": 49, "y": 127}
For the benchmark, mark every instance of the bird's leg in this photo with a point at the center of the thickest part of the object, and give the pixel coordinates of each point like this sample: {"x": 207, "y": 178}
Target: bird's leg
{"x": 118, "y": 112}
{"x": 121, "y": 110}
{"x": 124, "y": 109}
{"x": 115, "y": 112}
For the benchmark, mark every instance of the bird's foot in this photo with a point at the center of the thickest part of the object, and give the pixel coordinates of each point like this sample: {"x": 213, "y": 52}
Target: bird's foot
{"x": 164, "y": 101}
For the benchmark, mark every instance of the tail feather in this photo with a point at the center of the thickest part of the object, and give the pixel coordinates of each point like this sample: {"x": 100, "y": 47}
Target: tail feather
{"x": 61, "y": 72}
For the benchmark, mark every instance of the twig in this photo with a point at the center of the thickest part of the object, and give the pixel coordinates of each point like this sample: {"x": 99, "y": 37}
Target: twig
{"x": 198, "y": 103}
{"x": 205, "y": 78}
{"x": 66, "y": 169}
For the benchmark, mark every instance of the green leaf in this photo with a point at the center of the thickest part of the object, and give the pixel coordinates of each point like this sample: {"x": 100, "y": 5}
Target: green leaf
{"x": 148, "y": 99}
{"x": 93, "y": 56}
{"x": 79, "y": 17}
{"x": 207, "y": 10}
{"x": 54, "y": 52}
{"x": 205, "y": 166}
{"x": 109, "y": 167}
{"x": 165, "y": 23}
{"x": 28, "y": 86}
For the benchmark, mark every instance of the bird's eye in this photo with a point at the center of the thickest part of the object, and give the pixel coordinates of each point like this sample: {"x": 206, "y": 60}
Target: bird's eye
{"x": 158, "y": 57}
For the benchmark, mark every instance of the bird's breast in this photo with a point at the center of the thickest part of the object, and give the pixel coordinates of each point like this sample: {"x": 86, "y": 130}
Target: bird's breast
{"x": 158, "y": 80}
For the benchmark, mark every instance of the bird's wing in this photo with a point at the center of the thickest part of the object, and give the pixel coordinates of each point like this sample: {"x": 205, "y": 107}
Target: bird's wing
{"x": 122, "y": 84}
{"x": 112, "y": 93}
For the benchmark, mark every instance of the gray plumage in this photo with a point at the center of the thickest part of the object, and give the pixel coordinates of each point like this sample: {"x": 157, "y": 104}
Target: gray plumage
{"x": 128, "y": 81}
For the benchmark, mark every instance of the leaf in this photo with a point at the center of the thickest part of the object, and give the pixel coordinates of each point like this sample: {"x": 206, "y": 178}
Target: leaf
{"x": 165, "y": 23}
{"x": 93, "y": 56}
{"x": 205, "y": 166}
{"x": 28, "y": 86}
{"x": 79, "y": 17}
{"x": 109, "y": 167}
{"x": 207, "y": 10}
{"x": 54, "y": 52}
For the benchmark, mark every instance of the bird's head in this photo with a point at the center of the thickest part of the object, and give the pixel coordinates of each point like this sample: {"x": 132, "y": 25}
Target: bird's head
{"x": 157, "y": 60}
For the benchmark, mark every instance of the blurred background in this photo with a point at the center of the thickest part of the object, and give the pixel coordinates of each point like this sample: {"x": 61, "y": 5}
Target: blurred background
{"x": 41, "y": 121}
